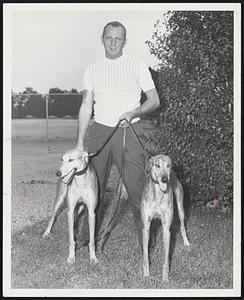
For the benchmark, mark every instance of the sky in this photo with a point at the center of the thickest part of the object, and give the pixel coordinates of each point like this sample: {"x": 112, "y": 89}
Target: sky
{"x": 50, "y": 48}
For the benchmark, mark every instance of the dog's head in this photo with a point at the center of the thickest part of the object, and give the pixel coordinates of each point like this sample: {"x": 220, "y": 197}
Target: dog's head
{"x": 72, "y": 161}
{"x": 160, "y": 169}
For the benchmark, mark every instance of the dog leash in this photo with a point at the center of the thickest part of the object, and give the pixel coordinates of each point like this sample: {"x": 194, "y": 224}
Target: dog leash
{"x": 105, "y": 142}
{"x": 102, "y": 237}
{"x": 112, "y": 133}
{"x": 109, "y": 226}
{"x": 93, "y": 154}
{"x": 83, "y": 171}
{"x": 137, "y": 137}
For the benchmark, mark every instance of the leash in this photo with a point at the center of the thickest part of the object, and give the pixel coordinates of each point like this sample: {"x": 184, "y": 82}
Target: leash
{"x": 105, "y": 142}
{"x": 93, "y": 154}
{"x": 109, "y": 226}
{"x": 83, "y": 171}
{"x": 136, "y": 136}
{"x": 102, "y": 237}
{"x": 112, "y": 133}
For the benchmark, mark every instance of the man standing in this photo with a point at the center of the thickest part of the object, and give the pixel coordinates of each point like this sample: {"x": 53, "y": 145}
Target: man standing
{"x": 114, "y": 84}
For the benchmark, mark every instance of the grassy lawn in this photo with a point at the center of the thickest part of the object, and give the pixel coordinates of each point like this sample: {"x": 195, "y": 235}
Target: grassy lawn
{"x": 38, "y": 263}
{"x": 41, "y": 263}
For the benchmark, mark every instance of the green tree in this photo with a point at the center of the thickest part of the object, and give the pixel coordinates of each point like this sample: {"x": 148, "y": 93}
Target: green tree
{"x": 195, "y": 84}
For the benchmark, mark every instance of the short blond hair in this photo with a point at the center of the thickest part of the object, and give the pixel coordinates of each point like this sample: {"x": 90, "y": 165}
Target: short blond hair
{"x": 114, "y": 24}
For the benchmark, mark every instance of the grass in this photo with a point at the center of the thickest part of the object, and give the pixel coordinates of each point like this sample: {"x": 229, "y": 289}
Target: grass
{"x": 41, "y": 263}
{"x": 38, "y": 263}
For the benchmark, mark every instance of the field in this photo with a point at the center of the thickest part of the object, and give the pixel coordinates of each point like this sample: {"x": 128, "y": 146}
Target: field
{"x": 41, "y": 263}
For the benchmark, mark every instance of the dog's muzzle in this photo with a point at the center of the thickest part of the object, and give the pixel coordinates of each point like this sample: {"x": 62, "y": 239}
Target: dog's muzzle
{"x": 67, "y": 178}
{"x": 58, "y": 173}
{"x": 163, "y": 183}
{"x": 164, "y": 179}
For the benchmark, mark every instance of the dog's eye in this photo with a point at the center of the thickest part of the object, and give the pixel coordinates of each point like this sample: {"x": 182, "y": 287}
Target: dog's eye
{"x": 168, "y": 166}
{"x": 157, "y": 165}
{"x": 70, "y": 160}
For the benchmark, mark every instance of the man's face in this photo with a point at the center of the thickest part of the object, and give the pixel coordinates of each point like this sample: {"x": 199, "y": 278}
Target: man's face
{"x": 113, "y": 41}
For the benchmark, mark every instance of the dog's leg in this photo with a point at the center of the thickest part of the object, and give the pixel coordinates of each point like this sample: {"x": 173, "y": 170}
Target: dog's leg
{"x": 71, "y": 208}
{"x": 60, "y": 196}
{"x": 166, "y": 242}
{"x": 179, "y": 195}
{"x": 77, "y": 213}
{"x": 92, "y": 220}
{"x": 145, "y": 239}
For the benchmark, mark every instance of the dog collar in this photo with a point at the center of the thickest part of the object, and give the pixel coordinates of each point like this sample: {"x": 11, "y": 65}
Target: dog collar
{"x": 81, "y": 172}
{"x": 157, "y": 182}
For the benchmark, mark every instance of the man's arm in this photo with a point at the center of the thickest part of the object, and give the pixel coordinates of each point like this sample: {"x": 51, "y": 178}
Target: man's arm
{"x": 84, "y": 117}
{"x": 148, "y": 106}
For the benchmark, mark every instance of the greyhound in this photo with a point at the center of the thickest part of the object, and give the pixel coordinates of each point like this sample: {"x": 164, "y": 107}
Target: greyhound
{"x": 157, "y": 201}
{"x": 78, "y": 181}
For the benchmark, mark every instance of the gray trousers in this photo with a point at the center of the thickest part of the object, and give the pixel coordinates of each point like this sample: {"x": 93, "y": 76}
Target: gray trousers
{"x": 134, "y": 172}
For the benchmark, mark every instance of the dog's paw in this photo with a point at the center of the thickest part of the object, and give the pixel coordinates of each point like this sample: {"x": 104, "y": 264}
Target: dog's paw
{"x": 186, "y": 243}
{"x": 71, "y": 260}
{"x": 146, "y": 271}
{"x": 165, "y": 278}
{"x": 46, "y": 234}
{"x": 94, "y": 261}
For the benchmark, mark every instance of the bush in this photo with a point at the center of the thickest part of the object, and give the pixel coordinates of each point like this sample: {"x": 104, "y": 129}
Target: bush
{"x": 195, "y": 85}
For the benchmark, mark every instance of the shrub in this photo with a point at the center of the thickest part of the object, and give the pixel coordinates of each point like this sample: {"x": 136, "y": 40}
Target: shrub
{"x": 195, "y": 85}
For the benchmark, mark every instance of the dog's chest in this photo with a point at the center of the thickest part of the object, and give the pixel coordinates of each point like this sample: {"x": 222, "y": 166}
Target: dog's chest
{"x": 81, "y": 190}
{"x": 79, "y": 195}
{"x": 159, "y": 204}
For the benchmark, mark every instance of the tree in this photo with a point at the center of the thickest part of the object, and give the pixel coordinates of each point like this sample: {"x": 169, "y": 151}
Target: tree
{"x": 35, "y": 104}
{"x": 62, "y": 105}
{"x": 56, "y": 102}
{"x": 25, "y": 104}
{"x": 195, "y": 84}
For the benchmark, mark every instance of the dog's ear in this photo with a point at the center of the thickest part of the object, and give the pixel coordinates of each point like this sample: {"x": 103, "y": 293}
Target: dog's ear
{"x": 84, "y": 156}
{"x": 151, "y": 162}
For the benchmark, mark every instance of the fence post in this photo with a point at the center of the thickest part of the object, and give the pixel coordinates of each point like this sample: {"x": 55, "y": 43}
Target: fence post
{"x": 47, "y": 115}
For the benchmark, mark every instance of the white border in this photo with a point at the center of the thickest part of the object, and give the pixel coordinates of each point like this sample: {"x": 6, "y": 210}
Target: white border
{"x": 7, "y": 130}
{"x": 122, "y": 6}
{"x": 237, "y": 152}
{"x": 8, "y": 9}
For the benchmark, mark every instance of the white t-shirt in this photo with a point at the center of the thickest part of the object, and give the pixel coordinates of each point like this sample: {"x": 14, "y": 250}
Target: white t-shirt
{"x": 117, "y": 85}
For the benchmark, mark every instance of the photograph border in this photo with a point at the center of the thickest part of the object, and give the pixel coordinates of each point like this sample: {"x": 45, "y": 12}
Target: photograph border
{"x": 8, "y": 10}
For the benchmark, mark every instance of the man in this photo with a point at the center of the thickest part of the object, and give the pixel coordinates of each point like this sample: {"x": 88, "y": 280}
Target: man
{"x": 114, "y": 84}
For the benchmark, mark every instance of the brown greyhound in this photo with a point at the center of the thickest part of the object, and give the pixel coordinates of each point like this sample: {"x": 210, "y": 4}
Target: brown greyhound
{"x": 79, "y": 183}
{"x": 157, "y": 201}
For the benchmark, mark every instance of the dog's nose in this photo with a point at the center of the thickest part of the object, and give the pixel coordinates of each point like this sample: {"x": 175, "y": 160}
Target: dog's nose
{"x": 58, "y": 173}
{"x": 164, "y": 179}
